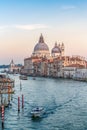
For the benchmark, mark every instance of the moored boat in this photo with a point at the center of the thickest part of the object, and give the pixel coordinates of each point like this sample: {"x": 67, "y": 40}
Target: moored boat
{"x": 23, "y": 77}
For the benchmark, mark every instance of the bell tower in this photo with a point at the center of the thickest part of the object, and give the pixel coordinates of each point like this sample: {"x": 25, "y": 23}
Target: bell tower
{"x": 62, "y": 49}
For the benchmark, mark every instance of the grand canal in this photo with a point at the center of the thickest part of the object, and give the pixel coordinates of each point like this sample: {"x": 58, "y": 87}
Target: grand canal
{"x": 65, "y": 103}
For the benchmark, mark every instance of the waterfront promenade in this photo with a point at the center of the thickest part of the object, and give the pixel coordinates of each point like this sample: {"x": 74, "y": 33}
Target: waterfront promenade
{"x": 65, "y": 103}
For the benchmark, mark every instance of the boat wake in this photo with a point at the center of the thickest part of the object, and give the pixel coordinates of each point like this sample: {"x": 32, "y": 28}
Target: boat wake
{"x": 52, "y": 107}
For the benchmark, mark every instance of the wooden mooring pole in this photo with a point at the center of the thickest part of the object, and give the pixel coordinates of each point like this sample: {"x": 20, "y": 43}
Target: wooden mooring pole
{"x": 18, "y": 104}
{"x": 22, "y": 101}
{"x": 2, "y": 116}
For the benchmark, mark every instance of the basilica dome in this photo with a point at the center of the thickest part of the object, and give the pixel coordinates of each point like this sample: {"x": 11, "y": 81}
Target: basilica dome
{"x": 41, "y": 46}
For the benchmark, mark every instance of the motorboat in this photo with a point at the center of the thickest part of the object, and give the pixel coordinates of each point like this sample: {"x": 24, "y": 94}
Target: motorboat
{"x": 37, "y": 112}
{"x": 23, "y": 77}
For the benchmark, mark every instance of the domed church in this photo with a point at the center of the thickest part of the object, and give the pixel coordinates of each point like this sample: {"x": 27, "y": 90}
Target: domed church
{"x": 41, "y": 49}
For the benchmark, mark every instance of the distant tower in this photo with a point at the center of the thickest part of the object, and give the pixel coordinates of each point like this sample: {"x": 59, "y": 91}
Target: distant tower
{"x": 62, "y": 49}
{"x": 12, "y": 66}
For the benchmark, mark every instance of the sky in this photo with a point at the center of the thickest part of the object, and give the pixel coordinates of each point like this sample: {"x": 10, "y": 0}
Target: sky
{"x": 22, "y": 22}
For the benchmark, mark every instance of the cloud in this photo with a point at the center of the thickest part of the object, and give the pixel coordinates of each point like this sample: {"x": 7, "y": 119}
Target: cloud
{"x": 24, "y": 27}
{"x": 31, "y": 26}
{"x": 3, "y": 27}
{"x": 68, "y": 7}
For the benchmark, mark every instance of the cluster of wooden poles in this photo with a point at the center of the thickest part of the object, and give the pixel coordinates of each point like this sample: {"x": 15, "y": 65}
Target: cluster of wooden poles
{"x": 19, "y": 102}
{"x": 2, "y": 109}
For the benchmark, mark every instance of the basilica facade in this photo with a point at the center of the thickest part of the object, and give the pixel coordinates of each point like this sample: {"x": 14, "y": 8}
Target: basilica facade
{"x": 42, "y": 62}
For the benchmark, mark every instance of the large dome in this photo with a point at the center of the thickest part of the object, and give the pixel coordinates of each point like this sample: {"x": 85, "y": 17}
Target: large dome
{"x": 41, "y": 46}
{"x": 41, "y": 49}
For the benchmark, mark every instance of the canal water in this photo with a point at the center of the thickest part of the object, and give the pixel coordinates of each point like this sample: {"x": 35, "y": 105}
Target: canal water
{"x": 64, "y": 101}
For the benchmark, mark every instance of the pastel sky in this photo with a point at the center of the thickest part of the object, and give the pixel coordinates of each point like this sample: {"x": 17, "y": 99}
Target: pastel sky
{"x": 22, "y": 22}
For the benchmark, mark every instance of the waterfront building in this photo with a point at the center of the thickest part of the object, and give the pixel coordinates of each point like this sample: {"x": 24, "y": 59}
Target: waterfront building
{"x": 44, "y": 67}
{"x": 80, "y": 74}
{"x": 55, "y": 67}
{"x": 72, "y": 64}
{"x": 30, "y": 65}
{"x": 50, "y": 67}
{"x": 13, "y": 68}
{"x": 74, "y": 60}
{"x": 54, "y": 64}
{"x": 37, "y": 67}
{"x": 6, "y": 88}
{"x": 69, "y": 71}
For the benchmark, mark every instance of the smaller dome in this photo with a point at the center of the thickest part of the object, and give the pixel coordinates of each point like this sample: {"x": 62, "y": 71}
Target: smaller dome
{"x": 56, "y": 49}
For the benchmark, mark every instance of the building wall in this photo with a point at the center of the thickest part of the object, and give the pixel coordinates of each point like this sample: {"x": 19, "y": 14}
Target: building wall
{"x": 28, "y": 66}
{"x": 81, "y": 74}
